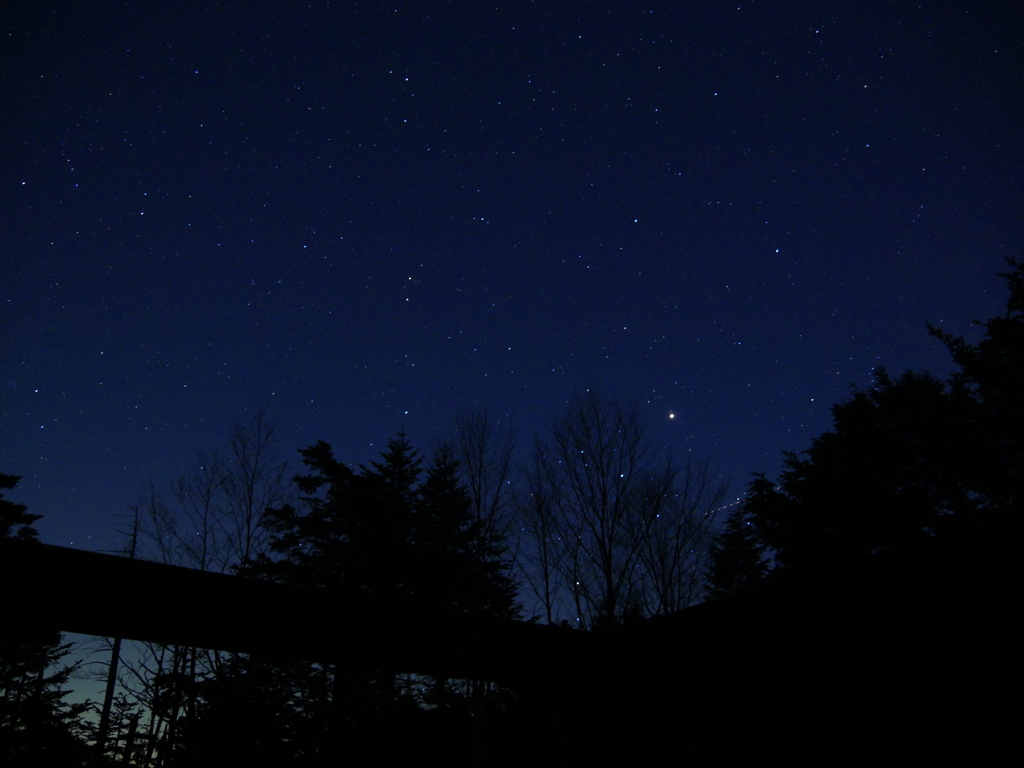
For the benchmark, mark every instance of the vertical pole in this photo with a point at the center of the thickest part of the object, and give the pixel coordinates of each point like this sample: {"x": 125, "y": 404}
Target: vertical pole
{"x": 108, "y": 698}
{"x": 115, "y": 658}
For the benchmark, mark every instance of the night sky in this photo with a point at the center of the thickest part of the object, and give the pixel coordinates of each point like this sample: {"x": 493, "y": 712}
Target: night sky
{"x": 371, "y": 217}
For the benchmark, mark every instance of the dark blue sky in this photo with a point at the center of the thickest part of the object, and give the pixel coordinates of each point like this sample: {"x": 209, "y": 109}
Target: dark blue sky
{"x": 373, "y": 216}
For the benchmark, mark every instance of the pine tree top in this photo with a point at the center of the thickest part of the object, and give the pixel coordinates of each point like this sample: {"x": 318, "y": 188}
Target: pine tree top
{"x": 15, "y": 520}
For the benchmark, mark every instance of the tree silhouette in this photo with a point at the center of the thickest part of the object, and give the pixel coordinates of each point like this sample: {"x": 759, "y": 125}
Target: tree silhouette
{"x": 37, "y": 725}
{"x": 991, "y": 379}
{"x": 212, "y": 521}
{"x": 882, "y": 480}
{"x": 612, "y": 528}
{"x": 389, "y": 537}
{"x": 15, "y": 519}
{"x": 457, "y": 557}
{"x": 382, "y": 535}
{"x": 912, "y": 467}
{"x": 738, "y": 556}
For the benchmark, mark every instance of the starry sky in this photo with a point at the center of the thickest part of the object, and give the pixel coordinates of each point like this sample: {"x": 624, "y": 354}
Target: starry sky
{"x": 373, "y": 216}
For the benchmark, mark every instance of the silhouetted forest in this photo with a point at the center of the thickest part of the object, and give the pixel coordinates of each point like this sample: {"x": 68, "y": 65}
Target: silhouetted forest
{"x": 862, "y": 603}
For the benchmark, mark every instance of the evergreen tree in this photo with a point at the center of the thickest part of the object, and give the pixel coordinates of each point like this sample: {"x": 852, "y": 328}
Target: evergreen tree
{"x": 389, "y": 536}
{"x": 461, "y": 559}
{"x": 383, "y": 536}
{"x": 15, "y": 519}
{"x": 37, "y": 725}
{"x": 991, "y": 377}
{"x": 913, "y": 468}
{"x": 885, "y": 479}
{"x": 737, "y": 556}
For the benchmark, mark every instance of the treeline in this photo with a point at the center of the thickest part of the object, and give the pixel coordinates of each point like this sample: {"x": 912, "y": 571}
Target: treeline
{"x": 920, "y": 480}
{"x": 596, "y": 528}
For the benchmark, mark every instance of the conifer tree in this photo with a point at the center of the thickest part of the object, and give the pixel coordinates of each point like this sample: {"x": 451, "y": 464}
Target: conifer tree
{"x": 737, "y": 556}
{"x": 463, "y": 557}
{"x": 15, "y": 519}
{"x": 37, "y": 725}
{"x": 387, "y": 536}
{"x": 990, "y": 377}
{"x": 914, "y": 467}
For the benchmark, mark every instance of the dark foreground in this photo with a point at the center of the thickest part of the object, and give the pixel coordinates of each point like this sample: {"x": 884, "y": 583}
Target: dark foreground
{"x": 895, "y": 665}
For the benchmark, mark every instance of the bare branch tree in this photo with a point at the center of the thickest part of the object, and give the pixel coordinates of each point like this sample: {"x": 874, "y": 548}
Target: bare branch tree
{"x": 484, "y": 451}
{"x": 215, "y": 522}
{"x": 604, "y": 465}
{"x": 674, "y": 555}
{"x": 257, "y": 480}
{"x": 612, "y": 528}
{"x": 200, "y": 504}
{"x": 539, "y": 545}
{"x": 158, "y": 526}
